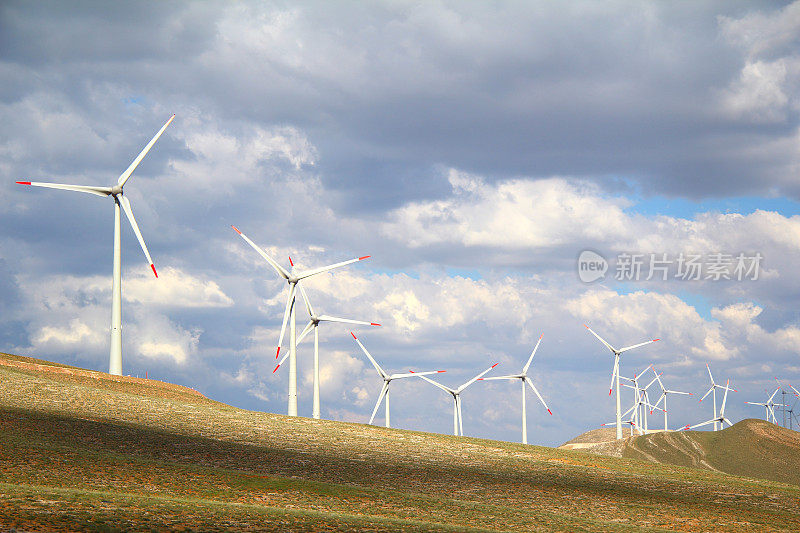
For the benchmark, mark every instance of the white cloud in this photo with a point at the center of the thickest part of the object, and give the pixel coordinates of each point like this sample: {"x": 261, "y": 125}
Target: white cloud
{"x": 174, "y": 288}
{"x": 515, "y": 213}
{"x": 759, "y": 93}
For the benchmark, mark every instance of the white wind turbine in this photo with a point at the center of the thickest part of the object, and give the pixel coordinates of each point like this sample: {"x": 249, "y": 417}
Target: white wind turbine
{"x": 525, "y": 379}
{"x": 387, "y": 379}
{"x": 115, "y": 191}
{"x": 713, "y": 392}
{"x": 292, "y": 277}
{"x": 721, "y": 420}
{"x": 458, "y": 426}
{"x": 615, "y": 373}
{"x": 313, "y": 323}
{"x": 769, "y": 406}
{"x": 664, "y": 392}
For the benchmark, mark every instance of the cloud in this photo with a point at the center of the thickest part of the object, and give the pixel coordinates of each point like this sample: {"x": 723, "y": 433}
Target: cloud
{"x": 174, "y": 288}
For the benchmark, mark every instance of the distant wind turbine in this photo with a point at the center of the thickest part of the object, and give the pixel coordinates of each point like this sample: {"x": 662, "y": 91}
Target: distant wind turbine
{"x": 713, "y": 392}
{"x": 387, "y": 379}
{"x": 115, "y": 353}
{"x": 458, "y": 425}
{"x": 313, "y": 323}
{"x": 769, "y": 406}
{"x": 292, "y": 277}
{"x": 664, "y": 392}
{"x": 721, "y": 420}
{"x": 525, "y": 379}
{"x": 615, "y": 373}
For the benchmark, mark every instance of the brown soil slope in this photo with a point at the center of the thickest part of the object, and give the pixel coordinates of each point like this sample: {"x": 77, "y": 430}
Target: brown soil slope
{"x": 85, "y": 452}
{"x": 752, "y": 448}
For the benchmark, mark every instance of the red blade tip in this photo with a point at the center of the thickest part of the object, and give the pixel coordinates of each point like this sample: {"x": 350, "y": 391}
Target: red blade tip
{"x": 276, "y": 369}
{"x": 440, "y": 371}
{"x": 290, "y": 260}
{"x": 655, "y": 340}
{"x": 609, "y": 391}
{"x": 154, "y": 269}
{"x": 374, "y": 324}
{"x": 23, "y": 182}
{"x": 278, "y": 352}
{"x": 354, "y": 335}
{"x": 494, "y": 365}
{"x": 364, "y": 257}
{"x": 236, "y": 229}
{"x": 549, "y": 411}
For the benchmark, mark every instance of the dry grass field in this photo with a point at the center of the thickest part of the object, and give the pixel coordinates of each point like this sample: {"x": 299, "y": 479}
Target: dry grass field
{"x": 82, "y": 450}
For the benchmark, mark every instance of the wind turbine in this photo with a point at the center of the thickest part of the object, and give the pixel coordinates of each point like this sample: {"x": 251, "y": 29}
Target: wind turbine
{"x": 664, "y": 392}
{"x": 524, "y": 378}
{"x": 615, "y": 373}
{"x": 769, "y": 406}
{"x": 713, "y": 392}
{"x": 388, "y": 378}
{"x": 458, "y": 426}
{"x": 721, "y": 420}
{"x": 313, "y": 323}
{"x": 115, "y": 191}
{"x": 292, "y": 277}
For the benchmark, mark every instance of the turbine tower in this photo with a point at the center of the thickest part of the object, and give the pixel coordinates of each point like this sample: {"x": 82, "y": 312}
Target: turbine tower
{"x": 313, "y": 323}
{"x": 713, "y": 392}
{"x": 525, "y": 379}
{"x": 615, "y": 373}
{"x": 115, "y": 191}
{"x": 292, "y": 278}
{"x": 458, "y": 426}
{"x": 387, "y": 379}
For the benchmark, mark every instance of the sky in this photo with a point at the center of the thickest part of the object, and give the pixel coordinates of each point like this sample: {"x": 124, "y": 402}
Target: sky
{"x": 473, "y": 149}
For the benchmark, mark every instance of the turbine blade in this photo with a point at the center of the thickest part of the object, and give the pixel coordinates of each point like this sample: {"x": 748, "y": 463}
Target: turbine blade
{"x": 97, "y": 191}
{"x": 306, "y": 300}
{"x": 127, "y": 174}
{"x": 126, "y": 206}
{"x": 380, "y": 398}
{"x": 613, "y": 372}
{"x": 701, "y": 424}
{"x": 724, "y": 399}
{"x": 773, "y": 394}
{"x": 706, "y": 394}
{"x": 279, "y": 269}
{"x": 286, "y": 313}
{"x": 637, "y": 345}
{"x": 436, "y": 383}
{"x": 381, "y": 372}
{"x": 530, "y": 383}
{"x": 328, "y": 318}
{"x": 306, "y": 331}
{"x": 601, "y": 339}
{"x": 411, "y": 374}
{"x": 473, "y": 380}
{"x": 315, "y": 271}
{"x": 709, "y": 374}
{"x": 530, "y": 359}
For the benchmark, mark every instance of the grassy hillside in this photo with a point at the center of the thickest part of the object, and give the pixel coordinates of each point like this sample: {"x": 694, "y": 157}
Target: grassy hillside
{"x": 83, "y": 450}
{"x": 752, "y": 448}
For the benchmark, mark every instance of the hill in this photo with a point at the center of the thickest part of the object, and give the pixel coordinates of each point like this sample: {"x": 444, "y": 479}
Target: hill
{"x": 87, "y": 451}
{"x": 752, "y": 448}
